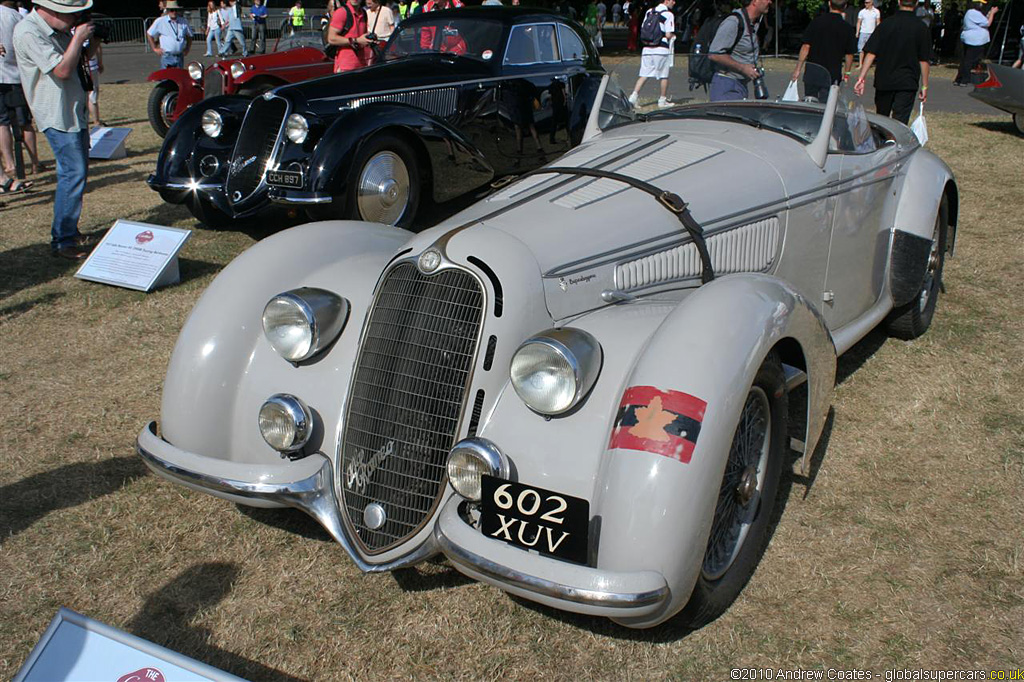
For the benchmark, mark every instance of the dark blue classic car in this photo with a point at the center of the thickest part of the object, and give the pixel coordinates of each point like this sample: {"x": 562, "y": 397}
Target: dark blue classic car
{"x": 461, "y": 97}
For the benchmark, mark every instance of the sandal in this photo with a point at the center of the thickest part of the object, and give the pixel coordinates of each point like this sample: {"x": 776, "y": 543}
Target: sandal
{"x": 9, "y": 187}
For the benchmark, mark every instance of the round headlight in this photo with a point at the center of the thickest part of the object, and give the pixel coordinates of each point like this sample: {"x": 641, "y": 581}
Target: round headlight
{"x": 285, "y": 423}
{"x": 554, "y": 370}
{"x": 302, "y": 322}
{"x": 212, "y": 122}
{"x": 195, "y": 71}
{"x": 296, "y": 128}
{"x": 469, "y": 460}
{"x": 237, "y": 69}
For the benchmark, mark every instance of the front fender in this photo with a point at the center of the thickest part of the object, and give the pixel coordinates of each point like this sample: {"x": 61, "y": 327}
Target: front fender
{"x": 455, "y": 166}
{"x": 657, "y": 509}
{"x": 927, "y": 180}
{"x": 186, "y": 143}
{"x": 189, "y": 91}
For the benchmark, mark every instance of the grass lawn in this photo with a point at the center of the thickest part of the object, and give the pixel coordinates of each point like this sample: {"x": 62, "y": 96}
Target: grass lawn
{"x": 905, "y": 550}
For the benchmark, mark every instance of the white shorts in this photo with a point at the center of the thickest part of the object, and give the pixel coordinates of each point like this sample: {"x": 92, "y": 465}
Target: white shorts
{"x": 654, "y": 66}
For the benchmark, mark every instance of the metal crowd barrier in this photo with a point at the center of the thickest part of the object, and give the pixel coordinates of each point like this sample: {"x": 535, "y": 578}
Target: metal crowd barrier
{"x": 126, "y": 30}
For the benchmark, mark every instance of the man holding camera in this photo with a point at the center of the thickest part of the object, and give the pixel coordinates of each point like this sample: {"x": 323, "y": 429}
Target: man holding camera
{"x": 734, "y": 51}
{"x": 348, "y": 31}
{"x": 52, "y": 76}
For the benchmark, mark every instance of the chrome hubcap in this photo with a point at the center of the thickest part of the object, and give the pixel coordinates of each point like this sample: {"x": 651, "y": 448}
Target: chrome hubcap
{"x": 740, "y": 496}
{"x": 383, "y": 188}
{"x": 167, "y": 106}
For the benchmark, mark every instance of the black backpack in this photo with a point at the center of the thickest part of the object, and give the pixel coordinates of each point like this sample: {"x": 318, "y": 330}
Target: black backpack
{"x": 651, "y": 33}
{"x": 701, "y": 68}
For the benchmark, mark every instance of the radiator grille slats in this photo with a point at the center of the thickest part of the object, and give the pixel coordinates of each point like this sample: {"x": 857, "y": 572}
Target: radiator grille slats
{"x": 440, "y": 102}
{"x": 213, "y": 83}
{"x": 255, "y": 147}
{"x": 748, "y": 248}
{"x": 407, "y": 399}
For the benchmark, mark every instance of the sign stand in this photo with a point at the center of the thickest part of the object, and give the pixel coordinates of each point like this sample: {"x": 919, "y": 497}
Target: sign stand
{"x": 137, "y": 256}
{"x": 108, "y": 143}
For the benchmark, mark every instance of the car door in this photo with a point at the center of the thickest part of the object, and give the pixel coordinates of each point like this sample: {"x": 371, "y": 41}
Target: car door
{"x": 861, "y": 230}
{"x": 535, "y": 97}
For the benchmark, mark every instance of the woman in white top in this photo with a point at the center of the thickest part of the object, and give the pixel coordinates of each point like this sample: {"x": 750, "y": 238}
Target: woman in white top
{"x": 975, "y": 37}
{"x": 212, "y": 29}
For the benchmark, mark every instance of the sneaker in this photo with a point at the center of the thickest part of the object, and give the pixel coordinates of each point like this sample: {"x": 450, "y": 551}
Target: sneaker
{"x": 665, "y": 103}
{"x": 633, "y": 99}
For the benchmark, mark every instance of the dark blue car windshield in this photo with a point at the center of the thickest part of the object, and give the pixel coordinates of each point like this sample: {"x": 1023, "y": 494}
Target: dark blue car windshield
{"x": 474, "y": 38}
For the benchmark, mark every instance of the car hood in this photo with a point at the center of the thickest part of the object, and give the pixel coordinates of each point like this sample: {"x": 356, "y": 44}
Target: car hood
{"x": 564, "y": 221}
{"x": 418, "y": 71}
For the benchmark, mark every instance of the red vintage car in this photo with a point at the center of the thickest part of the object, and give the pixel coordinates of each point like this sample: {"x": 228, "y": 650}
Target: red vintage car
{"x": 295, "y": 57}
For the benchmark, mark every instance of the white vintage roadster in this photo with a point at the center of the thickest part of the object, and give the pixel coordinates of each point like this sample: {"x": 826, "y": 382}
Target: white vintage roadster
{"x": 577, "y": 389}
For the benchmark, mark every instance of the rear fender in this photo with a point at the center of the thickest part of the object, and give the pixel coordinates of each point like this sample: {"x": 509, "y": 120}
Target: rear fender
{"x": 455, "y": 165}
{"x": 927, "y": 181}
{"x": 656, "y": 508}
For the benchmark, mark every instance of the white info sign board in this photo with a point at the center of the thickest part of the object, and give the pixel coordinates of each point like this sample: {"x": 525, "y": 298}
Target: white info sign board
{"x": 108, "y": 143}
{"x": 75, "y": 647}
{"x": 137, "y": 256}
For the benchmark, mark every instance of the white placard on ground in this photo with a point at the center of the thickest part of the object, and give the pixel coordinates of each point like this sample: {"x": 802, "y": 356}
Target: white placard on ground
{"x": 108, "y": 143}
{"x": 136, "y": 255}
{"x": 75, "y": 647}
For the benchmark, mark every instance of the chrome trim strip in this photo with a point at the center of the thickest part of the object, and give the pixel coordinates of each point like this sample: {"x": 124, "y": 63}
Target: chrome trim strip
{"x": 285, "y": 199}
{"x": 544, "y": 587}
{"x": 313, "y": 495}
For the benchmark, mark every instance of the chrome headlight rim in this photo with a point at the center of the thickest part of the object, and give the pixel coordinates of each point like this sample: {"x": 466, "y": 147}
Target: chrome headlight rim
{"x": 495, "y": 463}
{"x": 195, "y": 71}
{"x": 237, "y": 69}
{"x": 580, "y": 351}
{"x": 212, "y": 123}
{"x": 296, "y": 128}
{"x": 323, "y": 312}
{"x": 297, "y": 412}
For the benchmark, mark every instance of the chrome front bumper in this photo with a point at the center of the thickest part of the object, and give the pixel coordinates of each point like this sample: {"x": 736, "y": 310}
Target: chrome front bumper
{"x": 304, "y": 484}
{"x": 280, "y": 195}
{"x": 582, "y": 589}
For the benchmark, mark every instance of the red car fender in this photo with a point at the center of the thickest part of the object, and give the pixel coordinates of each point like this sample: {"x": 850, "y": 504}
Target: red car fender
{"x": 189, "y": 91}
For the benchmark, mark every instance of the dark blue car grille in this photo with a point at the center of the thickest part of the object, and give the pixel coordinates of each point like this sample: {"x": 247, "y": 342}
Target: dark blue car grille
{"x": 407, "y": 400}
{"x": 255, "y": 147}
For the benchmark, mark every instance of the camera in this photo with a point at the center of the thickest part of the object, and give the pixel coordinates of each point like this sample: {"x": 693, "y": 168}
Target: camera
{"x": 372, "y": 37}
{"x": 760, "y": 89}
{"x": 101, "y": 30}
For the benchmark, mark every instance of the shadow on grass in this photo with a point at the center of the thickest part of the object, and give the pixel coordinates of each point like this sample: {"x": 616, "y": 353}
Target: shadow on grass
{"x": 291, "y": 520}
{"x": 413, "y": 579}
{"x": 852, "y": 360}
{"x": 1004, "y": 126}
{"x": 30, "y": 499}
{"x": 167, "y": 615}
{"x": 8, "y": 313}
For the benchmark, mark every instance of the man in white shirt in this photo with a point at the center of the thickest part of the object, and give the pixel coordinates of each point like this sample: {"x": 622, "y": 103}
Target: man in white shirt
{"x": 867, "y": 20}
{"x": 656, "y": 60}
{"x": 174, "y": 36}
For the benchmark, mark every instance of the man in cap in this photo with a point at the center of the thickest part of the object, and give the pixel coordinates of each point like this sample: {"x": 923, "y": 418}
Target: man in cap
{"x": 50, "y": 66}
{"x": 174, "y": 36}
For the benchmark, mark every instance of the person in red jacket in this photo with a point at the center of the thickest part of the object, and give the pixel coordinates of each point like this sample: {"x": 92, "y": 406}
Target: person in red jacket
{"x": 347, "y": 31}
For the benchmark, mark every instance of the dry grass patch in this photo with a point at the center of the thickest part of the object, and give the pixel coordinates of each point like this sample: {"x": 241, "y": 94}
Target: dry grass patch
{"x": 905, "y": 551}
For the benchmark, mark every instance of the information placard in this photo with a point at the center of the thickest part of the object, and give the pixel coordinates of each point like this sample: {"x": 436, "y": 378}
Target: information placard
{"x": 108, "y": 143}
{"x": 136, "y": 256}
{"x": 75, "y": 647}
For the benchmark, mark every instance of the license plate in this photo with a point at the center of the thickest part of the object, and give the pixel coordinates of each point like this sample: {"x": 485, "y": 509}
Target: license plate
{"x": 533, "y": 518}
{"x": 285, "y": 178}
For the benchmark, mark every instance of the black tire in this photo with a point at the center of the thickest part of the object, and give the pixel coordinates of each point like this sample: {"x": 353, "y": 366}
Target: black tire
{"x": 376, "y": 153}
{"x": 162, "y": 101}
{"x": 913, "y": 319}
{"x": 208, "y": 214}
{"x": 1018, "y": 122}
{"x": 739, "y": 532}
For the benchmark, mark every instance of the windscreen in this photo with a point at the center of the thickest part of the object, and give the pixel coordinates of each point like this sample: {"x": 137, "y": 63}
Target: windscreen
{"x": 473, "y": 38}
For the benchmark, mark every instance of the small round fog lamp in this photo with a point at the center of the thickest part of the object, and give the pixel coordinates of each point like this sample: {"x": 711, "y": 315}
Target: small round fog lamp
{"x": 285, "y": 423}
{"x": 469, "y": 461}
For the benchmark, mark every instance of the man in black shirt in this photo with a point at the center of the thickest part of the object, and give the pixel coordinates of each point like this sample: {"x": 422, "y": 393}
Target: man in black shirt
{"x": 827, "y": 42}
{"x": 901, "y": 45}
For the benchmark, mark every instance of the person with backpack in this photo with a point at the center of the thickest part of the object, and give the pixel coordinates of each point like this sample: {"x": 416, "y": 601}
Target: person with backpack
{"x": 657, "y": 35}
{"x": 347, "y": 31}
{"x": 734, "y": 51}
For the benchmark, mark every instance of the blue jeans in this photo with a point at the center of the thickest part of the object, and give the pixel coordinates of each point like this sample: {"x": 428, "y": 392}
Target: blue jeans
{"x": 212, "y": 42}
{"x": 168, "y": 61}
{"x": 71, "y": 151}
{"x": 231, "y": 36}
{"x": 724, "y": 88}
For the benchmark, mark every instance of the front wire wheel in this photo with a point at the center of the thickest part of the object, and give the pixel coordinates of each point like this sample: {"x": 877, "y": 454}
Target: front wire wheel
{"x": 746, "y": 499}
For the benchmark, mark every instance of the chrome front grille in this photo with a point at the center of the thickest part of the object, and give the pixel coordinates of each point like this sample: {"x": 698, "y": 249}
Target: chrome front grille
{"x": 255, "y": 147}
{"x": 441, "y": 102}
{"x": 407, "y": 400}
{"x": 213, "y": 82}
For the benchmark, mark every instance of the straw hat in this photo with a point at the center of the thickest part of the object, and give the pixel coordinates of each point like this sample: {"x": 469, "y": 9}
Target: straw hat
{"x": 172, "y": 4}
{"x": 65, "y": 6}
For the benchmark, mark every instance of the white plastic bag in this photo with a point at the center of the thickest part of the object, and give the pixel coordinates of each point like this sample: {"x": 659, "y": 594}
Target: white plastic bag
{"x": 919, "y": 126}
{"x": 791, "y": 94}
